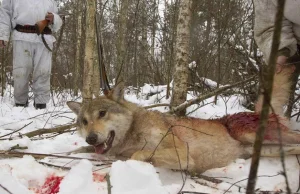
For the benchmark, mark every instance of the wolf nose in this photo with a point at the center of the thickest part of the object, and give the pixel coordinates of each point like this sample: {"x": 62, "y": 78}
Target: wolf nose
{"x": 91, "y": 139}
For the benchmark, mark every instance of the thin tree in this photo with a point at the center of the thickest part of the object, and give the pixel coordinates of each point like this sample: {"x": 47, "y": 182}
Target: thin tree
{"x": 182, "y": 57}
{"x": 121, "y": 43}
{"x": 78, "y": 45}
{"x": 89, "y": 52}
{"x": 266, "y": 100}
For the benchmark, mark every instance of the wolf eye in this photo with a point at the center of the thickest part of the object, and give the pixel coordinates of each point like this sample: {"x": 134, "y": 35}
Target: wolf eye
{"x": 84, "y": 121}
{"x": 102, "y": 113}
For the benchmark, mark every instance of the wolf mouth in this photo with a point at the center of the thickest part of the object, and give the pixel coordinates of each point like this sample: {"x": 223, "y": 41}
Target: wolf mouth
{"x": 102, "y": 148}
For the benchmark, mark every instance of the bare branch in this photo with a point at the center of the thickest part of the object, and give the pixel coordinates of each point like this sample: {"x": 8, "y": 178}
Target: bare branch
{"x": 5, "y": 189}
{"x": 208, "y": 95}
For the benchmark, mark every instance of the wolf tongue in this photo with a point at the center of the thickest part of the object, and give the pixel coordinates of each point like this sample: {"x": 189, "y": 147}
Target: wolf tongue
{"x": 99, "y": 149}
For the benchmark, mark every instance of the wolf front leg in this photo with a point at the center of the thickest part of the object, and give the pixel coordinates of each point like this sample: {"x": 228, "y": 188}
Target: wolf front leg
{"x": 171, "y": 158}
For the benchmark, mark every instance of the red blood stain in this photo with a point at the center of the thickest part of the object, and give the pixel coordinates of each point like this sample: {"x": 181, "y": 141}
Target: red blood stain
{"x": 51, "y": 185}
{"x": 98, "y": 177}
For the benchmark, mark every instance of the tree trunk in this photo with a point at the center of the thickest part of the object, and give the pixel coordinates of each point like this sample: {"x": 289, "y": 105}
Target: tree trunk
{"x": 121, "y": 43}
{"x": 3, "y": 77}
{"x": 267, "y": 86}
{"x": 89, "y": 52}
{"x": 96, "y": 74}
{"x": 173, "y": 35}
{"x": 78, "y": 46}
{"x": 182, "y": 49}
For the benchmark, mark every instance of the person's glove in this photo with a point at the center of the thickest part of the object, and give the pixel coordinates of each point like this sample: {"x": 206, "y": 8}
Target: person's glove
{"x": 283, "y": 55}
{"x": 2, "y": 43}
{"x": 284, "y": 59}
{"x": 280, "y": 62}
{"x": 50, "y": 17}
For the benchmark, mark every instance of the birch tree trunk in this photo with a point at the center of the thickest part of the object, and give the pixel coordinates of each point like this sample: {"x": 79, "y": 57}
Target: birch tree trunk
{"x": 181, "y": 58}
{"x": 96, "y": 74}
{"x": 78, "y": 46}
{"x": 89, "y": 52}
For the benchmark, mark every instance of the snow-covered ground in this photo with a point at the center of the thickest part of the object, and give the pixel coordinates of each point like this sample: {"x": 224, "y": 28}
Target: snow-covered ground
{"x": 94, "y": 174}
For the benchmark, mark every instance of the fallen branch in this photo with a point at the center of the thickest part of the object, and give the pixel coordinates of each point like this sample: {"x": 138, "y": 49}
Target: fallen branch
{"x": 14, "y": 154}
{"x": 208, "y": 95}
{"x": 107, "y": 177}
{"x": 18, "y": 147}
{"x": 43, "y": 131}
{"x": 234, "y": 184}
{"x": 83, "y": 149}
{"x": 15, "y": 131}
{"x": 55, "y": 166}
{"x": 156, "y": 105}
{"x": 5, "y": 189}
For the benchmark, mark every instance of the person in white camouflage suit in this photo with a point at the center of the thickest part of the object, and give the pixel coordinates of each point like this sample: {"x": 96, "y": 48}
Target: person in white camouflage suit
{"x": 30, "y": 52}
{"x": 288, "y": 57}
{"x": 265, "y": 11}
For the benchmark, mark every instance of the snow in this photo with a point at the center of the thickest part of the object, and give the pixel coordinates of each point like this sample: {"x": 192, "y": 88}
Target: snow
{"x": 143, "y": 178}
{"x": 81, "y": 174}
{"x": 87, "y": 173}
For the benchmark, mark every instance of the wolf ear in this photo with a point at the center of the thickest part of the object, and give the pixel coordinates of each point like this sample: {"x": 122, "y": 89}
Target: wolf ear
{"x": 117, "y": 93}
{"x": 74, "y": 106}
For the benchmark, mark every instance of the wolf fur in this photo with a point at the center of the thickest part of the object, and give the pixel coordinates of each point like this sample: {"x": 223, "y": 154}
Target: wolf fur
{"x": 175, "y": 142}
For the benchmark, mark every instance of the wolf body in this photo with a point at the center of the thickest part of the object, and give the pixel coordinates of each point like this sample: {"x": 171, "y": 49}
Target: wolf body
{"x": 117, "y": 127}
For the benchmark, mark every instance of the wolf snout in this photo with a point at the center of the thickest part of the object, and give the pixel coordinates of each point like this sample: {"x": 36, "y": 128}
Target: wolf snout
{"x": 92, "y": 138}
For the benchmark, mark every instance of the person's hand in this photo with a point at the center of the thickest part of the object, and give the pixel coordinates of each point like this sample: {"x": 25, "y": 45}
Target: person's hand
{"x": 2, "y": 43}
{"x": 280, "y": 62}
{"x": 50, "y": 17}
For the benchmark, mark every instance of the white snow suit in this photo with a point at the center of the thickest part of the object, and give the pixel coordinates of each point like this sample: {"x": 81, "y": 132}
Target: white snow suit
{"x": 265, "y": 11}
{"x": 29, "y": 52}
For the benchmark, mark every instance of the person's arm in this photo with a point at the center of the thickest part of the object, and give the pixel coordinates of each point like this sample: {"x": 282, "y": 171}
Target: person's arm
{"x": 6, "y": 10}
{"x": 265, "y": 12}
{"x": 56, "y": 22}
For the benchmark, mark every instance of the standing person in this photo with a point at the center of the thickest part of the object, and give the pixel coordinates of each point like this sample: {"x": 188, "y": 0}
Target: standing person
{"x": 31, "y": 51}
{"x": 288, "y": 53}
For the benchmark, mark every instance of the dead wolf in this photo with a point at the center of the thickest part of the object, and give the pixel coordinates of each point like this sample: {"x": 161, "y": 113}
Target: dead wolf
{"x": 117, "y": 127}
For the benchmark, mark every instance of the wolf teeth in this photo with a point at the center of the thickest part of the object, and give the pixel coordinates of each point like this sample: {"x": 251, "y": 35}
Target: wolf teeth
{"x": 105, "y": 145}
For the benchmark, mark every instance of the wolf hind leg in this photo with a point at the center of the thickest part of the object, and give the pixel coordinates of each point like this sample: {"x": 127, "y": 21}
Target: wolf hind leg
{"x": 171, "y": 158}
{"x": 274, "y": 150}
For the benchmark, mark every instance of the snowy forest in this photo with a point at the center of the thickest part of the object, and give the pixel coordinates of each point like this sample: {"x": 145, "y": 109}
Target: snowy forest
{"x": 189, "y": 58}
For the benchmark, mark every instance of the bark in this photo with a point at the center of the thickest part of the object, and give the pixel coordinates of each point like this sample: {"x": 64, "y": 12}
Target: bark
{"x": 3, "y": 77}
{"x": 182, "y": 58}
{"x": 171, "y": 44}
{"x": 266, "y": 101}
{"x": 136, "y": 34}
{"x": 78, "y": 46}
{"x": 96, "y": 74}
{"x": 59, "y": 129}
{"x": 121, "y": 43}
{"x": 89, "y": 52}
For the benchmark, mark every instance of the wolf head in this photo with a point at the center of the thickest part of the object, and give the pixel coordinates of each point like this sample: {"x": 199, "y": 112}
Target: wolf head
{"x": 105, "y": 121}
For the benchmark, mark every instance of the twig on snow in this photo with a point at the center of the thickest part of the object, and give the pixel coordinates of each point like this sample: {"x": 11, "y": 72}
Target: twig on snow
{"x": 52, "y": 130}
{"x": 109, "y": 186}
{"x": 5, "y": 189}
{"x": 15, "y": 131}
{"x": 12, "y": 154}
